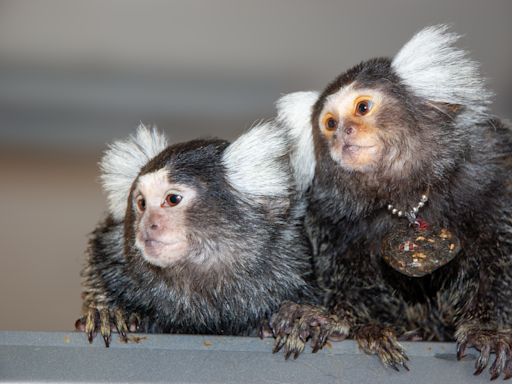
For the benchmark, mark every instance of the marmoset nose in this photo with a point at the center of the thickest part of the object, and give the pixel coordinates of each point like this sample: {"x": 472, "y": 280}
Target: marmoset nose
{"x": 349, "y": 130}
{"x": 155, "y": 221}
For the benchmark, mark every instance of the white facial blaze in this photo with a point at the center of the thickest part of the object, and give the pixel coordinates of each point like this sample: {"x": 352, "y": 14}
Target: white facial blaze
{"x": 161, "y": 229}
{"x": 355, "y": 142}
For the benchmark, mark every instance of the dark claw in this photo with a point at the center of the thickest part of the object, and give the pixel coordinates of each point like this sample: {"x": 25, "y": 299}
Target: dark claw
{"x": 317, "y": 347}
{"x": 461, "y": 350}
{"x": 483, "y": 360}
{"x": 122, "y": 335}
{"x": 405, "y": 365}
{"x": 120, "y": 324}
{"x": 316, "y": 342}
{"x": 278, "y": 344}
{"x": 321, "y": 338}
{"x": 105, "y": 326}
{"x": 394, "y": 367}
{"x": 499, "y": 364}
{"x": 91, "y": 323}
{"x": 134, "y": 322}
{"x": 507, "y": 370}
{"x": 279, "y": 327}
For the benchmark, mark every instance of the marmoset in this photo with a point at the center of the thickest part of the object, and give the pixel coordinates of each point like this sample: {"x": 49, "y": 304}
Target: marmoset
{"x": 410, "y": 208}
{"x": 202, "y": 237}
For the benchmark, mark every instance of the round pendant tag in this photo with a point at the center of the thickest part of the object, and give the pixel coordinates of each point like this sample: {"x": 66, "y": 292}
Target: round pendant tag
{"x": 418, "y": 251}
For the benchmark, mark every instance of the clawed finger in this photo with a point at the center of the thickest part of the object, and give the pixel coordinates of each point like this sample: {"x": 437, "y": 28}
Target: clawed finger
{"x": 280, "y": 322}
{"x": 461, "y": 350}
{"x": 488, "y": 341}
{"x": 106, "y": 323}
{"x": 507, "y": 370}
{"x": 134, "y": 322}
{"x": 381, "y": 340}
{"x": 279, "y": 343}
{"x": 92, "y": 323}
{"x": 105, "y": 326}
{"x": 120, "y": 324}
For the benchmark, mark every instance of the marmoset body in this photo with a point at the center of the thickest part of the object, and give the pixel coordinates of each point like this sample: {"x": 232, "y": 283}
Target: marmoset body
{"x": 404, "y": 146}
{"x": 202, "y": 237}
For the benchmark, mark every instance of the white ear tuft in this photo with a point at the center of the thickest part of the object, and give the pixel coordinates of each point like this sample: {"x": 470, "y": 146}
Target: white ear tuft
{"x": 122, "y": 163}
{"x": 256, "y": 162}
{"x": 440, "y": 73}
{"x": 294, "y": 117}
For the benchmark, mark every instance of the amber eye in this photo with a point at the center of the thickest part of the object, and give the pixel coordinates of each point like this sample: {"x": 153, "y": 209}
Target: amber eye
{"x": 141, "y": 204}
{"x": 173, "y": 200}
{"x": 331, "y": 124}
{"x": 363, "y": 107}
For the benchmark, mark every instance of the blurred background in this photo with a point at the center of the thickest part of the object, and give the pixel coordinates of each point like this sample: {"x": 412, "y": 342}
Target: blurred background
{"x": 75, "y": 75}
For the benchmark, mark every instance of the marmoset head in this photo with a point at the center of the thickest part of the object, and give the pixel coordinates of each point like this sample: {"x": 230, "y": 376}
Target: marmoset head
{"x": 402, "y": 119}
{"x": 201, "y": 202}
{"x": 182, "y": 183}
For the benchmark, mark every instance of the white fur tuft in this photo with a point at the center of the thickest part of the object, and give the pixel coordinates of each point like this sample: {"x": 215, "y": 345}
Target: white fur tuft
{"x": 255, "y": 162}
{"x": 294, "y": 115}
{"x": 122, "y": 163}
{"x": 440, "y": 73}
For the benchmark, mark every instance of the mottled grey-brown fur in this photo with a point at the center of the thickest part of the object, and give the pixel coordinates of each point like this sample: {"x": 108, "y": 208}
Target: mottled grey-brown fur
{"x": 463, "y": 156}
{"x": 256, "y": 242}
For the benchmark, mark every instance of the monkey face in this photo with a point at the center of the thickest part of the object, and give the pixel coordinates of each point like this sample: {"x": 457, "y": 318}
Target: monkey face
{"x": 349, "y": 122}
{"x": 160, "y": 210}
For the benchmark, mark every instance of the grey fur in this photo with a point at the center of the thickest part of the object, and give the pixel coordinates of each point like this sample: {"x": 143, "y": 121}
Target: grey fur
{"x": 246, "y": 254}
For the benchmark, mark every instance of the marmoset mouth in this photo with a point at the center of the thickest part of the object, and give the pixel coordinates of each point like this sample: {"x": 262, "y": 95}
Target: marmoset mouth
{"x": 353, "y": 156}
{"x": 360, "y": 153}
{"x": 160, "y": 245}
{"x": 351, "y": 147}
{"x": 163, "y": 254}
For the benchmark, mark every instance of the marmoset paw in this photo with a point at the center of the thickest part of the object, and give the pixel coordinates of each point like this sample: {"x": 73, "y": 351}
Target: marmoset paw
{"x": 295, "y": 324}
{"x": 291, "y": 341}
{"x": 381, "y": 341}
{"x": 309, "y": 316}
{"x": 487, "y": 341}
{"x": 101, "y": 319}
{"x": 329, "y": 328}
{"x": 282, "y": 321}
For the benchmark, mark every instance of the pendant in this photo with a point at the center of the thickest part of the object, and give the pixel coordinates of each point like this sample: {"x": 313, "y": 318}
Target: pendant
{"x": 419, "y": 249}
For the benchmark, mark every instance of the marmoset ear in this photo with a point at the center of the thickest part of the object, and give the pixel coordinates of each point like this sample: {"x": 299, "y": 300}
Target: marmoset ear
{"x": 122, "y": 163}
{"x": 294, "y": 119}
{"x": 441, "y": 74}
{"x": 257, "y": 164}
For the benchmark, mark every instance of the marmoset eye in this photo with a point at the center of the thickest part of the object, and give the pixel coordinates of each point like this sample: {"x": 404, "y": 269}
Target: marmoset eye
{"x": 363, "y": 107}
{"x": 173, "y": 200}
